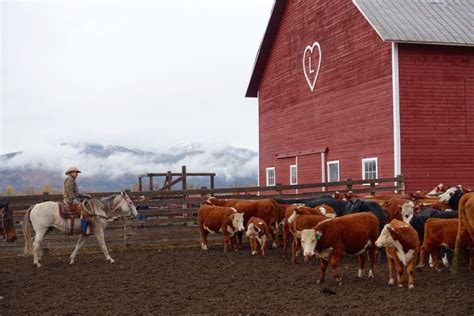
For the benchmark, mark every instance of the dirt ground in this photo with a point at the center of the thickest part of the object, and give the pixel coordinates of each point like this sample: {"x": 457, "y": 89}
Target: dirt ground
{"x": 188, "y": 281}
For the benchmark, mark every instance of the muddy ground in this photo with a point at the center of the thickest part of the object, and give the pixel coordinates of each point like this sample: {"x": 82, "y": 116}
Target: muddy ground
{"x": 188, "y": 281}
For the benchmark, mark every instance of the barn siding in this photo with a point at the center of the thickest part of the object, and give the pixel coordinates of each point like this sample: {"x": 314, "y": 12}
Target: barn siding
{"x": 436, "y": 115}
{"x": 350, "y": 111}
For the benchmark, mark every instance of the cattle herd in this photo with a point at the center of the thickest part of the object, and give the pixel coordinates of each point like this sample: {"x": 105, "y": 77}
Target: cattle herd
{"x": 407, "y": 227}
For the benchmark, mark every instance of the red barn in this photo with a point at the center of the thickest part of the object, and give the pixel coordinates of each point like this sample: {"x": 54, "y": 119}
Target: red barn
{"x": 364, "y": 89}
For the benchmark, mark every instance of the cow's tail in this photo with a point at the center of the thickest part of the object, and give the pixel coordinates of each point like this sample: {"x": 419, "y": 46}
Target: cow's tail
{"x": 457, "y": 248}
{"x": 26, "y": 233}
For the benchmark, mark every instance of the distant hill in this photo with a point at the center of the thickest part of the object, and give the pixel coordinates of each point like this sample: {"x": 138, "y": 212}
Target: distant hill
{"x": 114, "y": 168}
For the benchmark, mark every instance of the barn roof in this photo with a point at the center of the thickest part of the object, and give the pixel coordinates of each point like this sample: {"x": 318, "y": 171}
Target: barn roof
{"x": 442, "y": 22}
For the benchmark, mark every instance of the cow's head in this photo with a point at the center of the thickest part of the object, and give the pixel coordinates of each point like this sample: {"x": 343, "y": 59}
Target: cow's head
{"x": 408, "y": 210}
{"x": 251, "y": 230}
{"x": 338, "y": 195}
{"x": 446, "y": 196}
{"x": 210, "y": 201}
{"x": 327, "y": 211}
{"x": 237, "y": 221}
{"x": 309, "y": 239}
{"x": 439, "y": 189}
{"x": 7, "y": 223}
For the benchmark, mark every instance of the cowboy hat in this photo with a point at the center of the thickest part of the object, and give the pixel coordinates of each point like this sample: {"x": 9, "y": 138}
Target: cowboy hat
{"x": 72, "y": 169}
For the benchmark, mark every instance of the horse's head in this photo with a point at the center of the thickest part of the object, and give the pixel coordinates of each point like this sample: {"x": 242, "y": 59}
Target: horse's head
{"x": 8, "y": 225}
{"x": 124, "y": 205}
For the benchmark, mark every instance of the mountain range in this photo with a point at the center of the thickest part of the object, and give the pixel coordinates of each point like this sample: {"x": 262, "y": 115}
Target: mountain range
{"x": 108, "y": 168}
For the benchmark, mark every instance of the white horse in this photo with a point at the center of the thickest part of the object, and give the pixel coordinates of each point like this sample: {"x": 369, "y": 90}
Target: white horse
{"x": 45, "y": 215}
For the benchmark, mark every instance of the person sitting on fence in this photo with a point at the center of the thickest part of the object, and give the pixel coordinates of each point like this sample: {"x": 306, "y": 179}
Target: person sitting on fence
{"x": 73, "y": 198}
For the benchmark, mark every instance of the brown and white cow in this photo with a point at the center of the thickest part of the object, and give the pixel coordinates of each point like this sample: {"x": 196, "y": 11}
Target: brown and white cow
{"x": 218, "y": 219}
{"x": 299, "y": 209}
{"x": 298, "y": 224}
{"x": 401, "y": 245}
{"x": 352, "y": 234}
{"x": 393, "y": 208}
{"x": 266, "y": 209}
{"x": 258, "y": 234}
{"x": 466, "y": 217}
{"x": 343, "y": 196}
{"x": 442, "y": 233}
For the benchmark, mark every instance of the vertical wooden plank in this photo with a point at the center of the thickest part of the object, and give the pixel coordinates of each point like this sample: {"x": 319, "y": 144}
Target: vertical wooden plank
{"x": 140, "y": 184}
{"x": 349, "y": 184}
{"x": 212, "y": 184}
{"x": 151, "y": 182}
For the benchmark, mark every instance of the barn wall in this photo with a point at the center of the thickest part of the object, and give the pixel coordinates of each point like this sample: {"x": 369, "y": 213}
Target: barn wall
{"x": 436, "y": 115}
{"x": 350, "y": 111}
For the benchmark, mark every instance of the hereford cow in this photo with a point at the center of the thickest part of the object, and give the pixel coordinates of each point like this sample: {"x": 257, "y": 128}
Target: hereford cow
{"x": 217, "y": 219}
{"x": 257, "y": 233}
{"x": 352, "y": 234}
{"x": 466, "y": 217}
{"x": 265, "y": 209}
{"x": 418, "y": 220}
{"x": 299, "y": 223}
{"x": 401, "y": 245}
{"x": 298, "y": 209}
{"x": 393, "y": 208}
{"x": 442, "y": 233}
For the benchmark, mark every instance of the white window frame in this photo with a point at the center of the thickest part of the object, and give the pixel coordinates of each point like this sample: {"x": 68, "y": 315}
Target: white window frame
{"x": 376, "y": 167}
{"x": 334, "y": 162}
{"x": 295, "y": 167}
{"x": 268, "y": 178}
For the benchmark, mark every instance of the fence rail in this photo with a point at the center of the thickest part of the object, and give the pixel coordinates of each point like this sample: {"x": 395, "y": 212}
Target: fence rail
{"x": 169, "y": 217}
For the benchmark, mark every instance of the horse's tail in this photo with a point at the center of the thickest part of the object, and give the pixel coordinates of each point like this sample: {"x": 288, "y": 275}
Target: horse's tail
{"x": 26, "y": 232}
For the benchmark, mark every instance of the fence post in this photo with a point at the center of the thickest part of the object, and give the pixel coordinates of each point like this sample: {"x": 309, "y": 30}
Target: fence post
{"x": 151, "y": 181}
{"x": 203, "y": 194}
{"x": 349, "y": 185}
{"x": 279, "y": 191}
{"x": 46, "y": 196}
{"x": 140, "y": 184}
{"x": 372, "y": 187}
{"x": 401, "y": 184}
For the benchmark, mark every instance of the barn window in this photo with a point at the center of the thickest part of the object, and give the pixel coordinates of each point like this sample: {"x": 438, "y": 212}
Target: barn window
{"x": 333, "y": 171}
{"x": 369, "y": 168}
{"x": 293, "y": 174}
{"x": 270, "y": 176}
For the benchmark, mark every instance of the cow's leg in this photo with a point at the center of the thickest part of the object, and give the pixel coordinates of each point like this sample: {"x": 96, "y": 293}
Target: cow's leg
{"x": 294, "y": 248}
{"x": 82, "y": 240}
{"x": 323, "y": 264}
{"x": 423, "y": 252}
{"x": 399, "y": 266}
{"x": 264, "y": 245}
{"x": 40, "y": 233}
{"x": 233, "y": 242}
{"x": 361, "y": 265}
{"x": 435, "y": 256}
{"x": 391, "y": 269}
{"x": 411, "y": 272}
{"x": 286, "y": 237}
{"x": 252, "y": 245}
{"x": 226, "y": 238}
{"x": 336, "y": 255}
{"x": 275, "y": 234}
{"x": 372, "y": 254}
{"x": 239, "y": 236}
{"x": 202, "y": 236}
{"x": 99, "y": 235}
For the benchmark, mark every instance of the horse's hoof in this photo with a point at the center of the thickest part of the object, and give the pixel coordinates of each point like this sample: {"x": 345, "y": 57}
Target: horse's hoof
{"x": 111, "y": 260}
{"x": 71, "y": 262}
{"x": 38, "y": 265}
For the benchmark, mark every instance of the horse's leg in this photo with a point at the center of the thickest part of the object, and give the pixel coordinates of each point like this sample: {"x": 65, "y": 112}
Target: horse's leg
{"x": 99, "y": 235}
{"x": 82, "y": 240}
{"x": 37, "y": 253}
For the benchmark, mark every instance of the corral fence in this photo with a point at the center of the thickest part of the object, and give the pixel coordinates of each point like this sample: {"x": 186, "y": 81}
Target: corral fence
{"x": 169, "y": 218}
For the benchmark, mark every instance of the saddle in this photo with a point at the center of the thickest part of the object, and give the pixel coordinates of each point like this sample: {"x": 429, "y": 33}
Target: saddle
{"x": 69, "y": 213}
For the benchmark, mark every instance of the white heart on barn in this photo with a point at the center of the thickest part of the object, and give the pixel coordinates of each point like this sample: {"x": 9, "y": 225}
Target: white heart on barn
{"x": 310, "y": 54}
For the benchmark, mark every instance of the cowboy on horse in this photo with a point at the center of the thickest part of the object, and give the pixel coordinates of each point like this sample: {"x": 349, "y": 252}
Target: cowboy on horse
{"x": 74, "y": 199}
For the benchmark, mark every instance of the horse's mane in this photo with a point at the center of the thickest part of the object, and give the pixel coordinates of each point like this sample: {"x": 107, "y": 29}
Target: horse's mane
{"x": 108, "y": 200}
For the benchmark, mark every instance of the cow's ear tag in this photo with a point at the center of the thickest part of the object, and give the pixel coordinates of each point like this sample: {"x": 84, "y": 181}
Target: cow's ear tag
{"x": 318, "y": 237}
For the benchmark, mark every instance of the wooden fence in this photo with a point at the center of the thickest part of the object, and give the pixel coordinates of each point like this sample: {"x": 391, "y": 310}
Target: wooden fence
{"x": 168, "y": 218}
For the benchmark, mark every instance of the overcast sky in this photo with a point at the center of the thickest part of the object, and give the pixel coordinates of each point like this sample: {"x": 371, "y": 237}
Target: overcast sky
{"x": 147, "y": 75}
